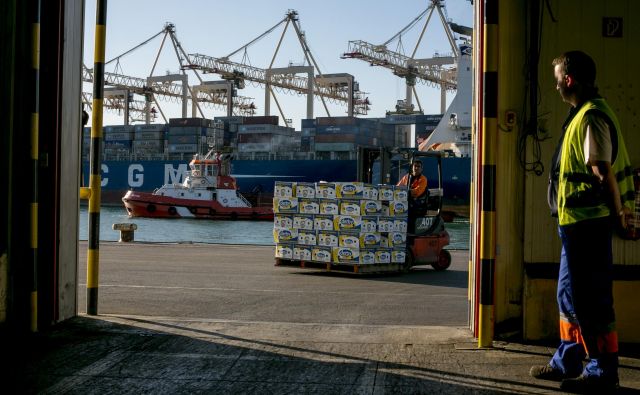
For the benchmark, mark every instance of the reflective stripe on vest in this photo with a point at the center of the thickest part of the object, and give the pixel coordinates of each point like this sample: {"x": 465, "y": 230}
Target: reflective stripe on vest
{"x": 580, "y": 194}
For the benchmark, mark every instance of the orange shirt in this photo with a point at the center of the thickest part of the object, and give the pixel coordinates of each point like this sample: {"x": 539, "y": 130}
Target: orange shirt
{"x": 418, "y": 186}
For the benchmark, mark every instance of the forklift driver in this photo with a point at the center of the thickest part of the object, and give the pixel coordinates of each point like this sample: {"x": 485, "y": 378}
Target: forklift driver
{"x": 417, "y": 191}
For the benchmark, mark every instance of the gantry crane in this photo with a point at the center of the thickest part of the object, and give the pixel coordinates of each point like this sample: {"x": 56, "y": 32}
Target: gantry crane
{"x": 440, "y": 71}
{"x": 154, "y": 87}
{"x": 340, "y": 88}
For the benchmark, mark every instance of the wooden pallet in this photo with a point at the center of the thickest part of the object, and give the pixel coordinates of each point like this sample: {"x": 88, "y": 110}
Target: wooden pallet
{"x": 355, "y": 268}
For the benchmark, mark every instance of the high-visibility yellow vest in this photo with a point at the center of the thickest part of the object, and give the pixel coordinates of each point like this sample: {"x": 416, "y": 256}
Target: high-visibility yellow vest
{"x": 581, "y": 196}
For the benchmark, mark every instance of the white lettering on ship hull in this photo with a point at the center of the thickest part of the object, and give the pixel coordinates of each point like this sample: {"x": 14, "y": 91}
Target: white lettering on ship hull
{"x": 133, "y": 178}
{"x": 105, "y": 180}
{"x": 173, "y": 176}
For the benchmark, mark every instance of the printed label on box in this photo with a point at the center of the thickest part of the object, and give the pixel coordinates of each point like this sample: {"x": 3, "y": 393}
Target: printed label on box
{"x": 347, "y": 222}
{"x": 385, "y": 192}
{"x": 307, "y": 237}
{"x": 305, "y": 190}
{"x": 284, "y": 251}
{"x": 286, "y": 205}
{"x": 321, "y": 254}
{"x": 327, "y": 238}
{"x": 349, "y": 207}
{"x": 327, "y": 206}
{"x": 285, "y": 235}
{"x": 370, "y": 207}
{"x": 367, "y": 256}
{"x": 383, "y": 255}
{"x": 283, "y": 221}
{"x": 398, "y": 208}
{"x": 326, "y": 190}
{"x": 345, "y": 255}
{"x": 369, "y": 239}
{"x": 349, "y": 239}
{"x": 398, "y": 256}
{"x": 303, "y": 221}
{"x": 323, "y": 222}
{"x": 283, "y": 189}
{"x": 349, "y": 190}
{"x": 401, "y": 192}
{"x": 369, "y": 224}
{"x": 308, "y": 206}
{"x": 385, "y": 209}
{"x": 400, "y": 225}
{"x": 370, "y": 192}
{"x": 385, "y": 224}
{"x": 301, "y": 253}
{"x": 397, "y": 239}
{"x": 384, "y": 240}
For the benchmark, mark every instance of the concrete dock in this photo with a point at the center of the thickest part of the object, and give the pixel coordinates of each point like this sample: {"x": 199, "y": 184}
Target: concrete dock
{"x": 222, "y": 319}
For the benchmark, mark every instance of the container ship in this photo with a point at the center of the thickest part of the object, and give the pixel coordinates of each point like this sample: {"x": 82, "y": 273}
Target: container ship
{"x": 144, "y": 157}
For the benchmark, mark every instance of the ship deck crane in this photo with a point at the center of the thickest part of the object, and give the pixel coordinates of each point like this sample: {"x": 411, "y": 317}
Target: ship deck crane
{"x": 154, "y": 87}
{"x": 340, "y": 88}
{"x": 438, "y": 71}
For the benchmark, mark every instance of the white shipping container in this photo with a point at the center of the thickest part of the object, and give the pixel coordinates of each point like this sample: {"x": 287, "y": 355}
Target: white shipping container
{"x": 183, "y": 148}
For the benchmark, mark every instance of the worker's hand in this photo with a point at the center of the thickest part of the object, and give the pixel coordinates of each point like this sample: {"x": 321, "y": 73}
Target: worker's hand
{"x": 627, "y": 228}
{"x": 624, "y": 218}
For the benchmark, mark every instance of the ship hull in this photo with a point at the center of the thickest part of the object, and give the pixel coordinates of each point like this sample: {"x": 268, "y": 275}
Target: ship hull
{"x": 255, "y": 179}
{"x": 148, "y": 205}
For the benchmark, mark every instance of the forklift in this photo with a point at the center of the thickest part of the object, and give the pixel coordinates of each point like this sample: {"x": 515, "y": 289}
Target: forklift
{"x": 426, "y": 235}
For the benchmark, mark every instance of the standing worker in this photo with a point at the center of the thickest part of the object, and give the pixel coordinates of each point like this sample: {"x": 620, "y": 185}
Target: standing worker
{"x": 591, "y": 192}
{"x": 417, "y": 183}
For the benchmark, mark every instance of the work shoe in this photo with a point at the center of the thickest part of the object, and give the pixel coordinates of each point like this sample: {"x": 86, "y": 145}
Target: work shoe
{"x": 546, "y": 372}
{"x": 590, "y": 385}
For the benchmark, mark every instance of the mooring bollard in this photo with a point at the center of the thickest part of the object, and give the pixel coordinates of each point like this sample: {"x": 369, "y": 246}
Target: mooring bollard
{"x": 126, "y": 231}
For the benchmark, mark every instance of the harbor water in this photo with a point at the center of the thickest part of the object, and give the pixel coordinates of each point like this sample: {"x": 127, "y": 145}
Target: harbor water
{"x": 160, "y": 230}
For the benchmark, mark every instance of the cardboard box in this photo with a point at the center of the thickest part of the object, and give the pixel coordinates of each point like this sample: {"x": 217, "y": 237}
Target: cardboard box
{"x": 349, "y": 207}
{"x": 369, "y": 224}
{"x": 369, "y": 239}
{"x": 370, "y": 192}
{"x": 302, "y": 253}
{"x": 308, "y": 206}
{"x": 328, "y": 206}
{"x": 384, "y": 240}
{"x": 284, "y": 251}
{"x": 285, "y": 205}
{"x": 321, "y": 254}
{"x": 347, "y": 222}
{"x": 326, "y": 190}
{"x": 322, "y": 222}
{"x": 400, "y": 225}
{"x": 386, "y": 224}
{"x": 327, "y": 238}
{"x": 367, "y": 256}
{"x": 345, "y": 255}
{"x": 397, "y": 239}
{"x": 349, "y": 239}
{"x": 370, "y": 207}
{"x": 398, "y": 255}
{"x": 383, "y": 255}
{"x": 285, "y": 236}
{"x": 283, "y": 189}
{"x": 401, "y": 193}
{"x": 305, "y": 190}
{"x": 385, "y": 192}
{"x": 283, "y": 221}
{"x": 398, "y": 208}
{"x": 349, "y": 190}
{"x": 303, "y": 221}
{"x": 307, "y": 237}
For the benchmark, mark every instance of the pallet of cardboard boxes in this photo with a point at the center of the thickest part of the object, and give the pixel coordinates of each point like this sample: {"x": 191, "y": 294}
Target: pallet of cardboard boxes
{"x": 341, "y": 226}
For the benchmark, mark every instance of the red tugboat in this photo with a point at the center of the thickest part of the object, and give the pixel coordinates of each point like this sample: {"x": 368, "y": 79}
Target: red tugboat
{"x": 208, "y": 191}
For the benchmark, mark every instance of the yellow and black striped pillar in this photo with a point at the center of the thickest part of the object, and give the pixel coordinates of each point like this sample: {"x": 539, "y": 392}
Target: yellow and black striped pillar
{"x": 487, "y": 200}
{"x": 93, "y": 255}
{"x": 35, "y": 112}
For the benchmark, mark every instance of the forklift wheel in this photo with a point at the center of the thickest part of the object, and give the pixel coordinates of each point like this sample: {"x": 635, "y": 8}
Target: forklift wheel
{"x": 444, "y": 261}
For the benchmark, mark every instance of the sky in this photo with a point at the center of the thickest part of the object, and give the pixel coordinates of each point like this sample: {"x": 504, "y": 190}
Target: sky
{"x": 218, "y": 28}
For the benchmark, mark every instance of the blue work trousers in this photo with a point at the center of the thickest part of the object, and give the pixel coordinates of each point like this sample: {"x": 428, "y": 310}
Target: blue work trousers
{"x": 585, "y": 301}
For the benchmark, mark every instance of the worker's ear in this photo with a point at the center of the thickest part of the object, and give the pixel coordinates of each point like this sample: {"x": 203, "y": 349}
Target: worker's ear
{"x": 570, "y": 80}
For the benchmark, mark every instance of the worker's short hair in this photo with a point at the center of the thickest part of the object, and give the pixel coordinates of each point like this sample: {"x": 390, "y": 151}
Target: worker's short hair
{"x": 579, "y": 65}
{"x": 417, "y": 161}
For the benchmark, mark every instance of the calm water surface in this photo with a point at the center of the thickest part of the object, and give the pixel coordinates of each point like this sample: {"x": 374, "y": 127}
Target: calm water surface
{"x": 207, "y": 231}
